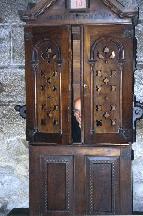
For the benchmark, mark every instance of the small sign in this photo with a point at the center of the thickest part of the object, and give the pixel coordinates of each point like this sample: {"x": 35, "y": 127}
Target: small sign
{"x": 77, "y": 4}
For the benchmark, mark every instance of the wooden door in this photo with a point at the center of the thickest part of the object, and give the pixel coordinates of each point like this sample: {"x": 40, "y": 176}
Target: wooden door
{"x": 51, "y": 182}
{"x": 73, "y": 180}
{"x": 102, "y": 185}
{"x": 108, "y": 84}
{"x": 48, "y": 65}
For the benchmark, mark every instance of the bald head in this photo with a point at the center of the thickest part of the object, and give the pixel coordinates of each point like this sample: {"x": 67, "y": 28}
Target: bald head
{"x": 77, "y": 110}
{"x": 77, "y": 104}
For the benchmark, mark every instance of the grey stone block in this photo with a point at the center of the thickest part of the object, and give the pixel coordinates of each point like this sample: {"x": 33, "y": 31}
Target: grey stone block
{"x": 138, "y": 169}
{"x": 139, "y": 85}
{"x": 138, "y": 195}
{"x": 14, "y": 189}
{"x": 13, "y": 160}
{"x": 139, "y": 36}
{"x": 1, "y": 88}
{"x": 5, "y": 45}
{"x": 9, "y": 10}
{"x": 138, "y": 145}
{"x": 140, "y": 5}
{"x": 18, "y": 45}
{"x": 12, "y": 125}
{"x": 13, "y": 83}
{"x": 3, "y": 207}
{"x": 129, "y": 3}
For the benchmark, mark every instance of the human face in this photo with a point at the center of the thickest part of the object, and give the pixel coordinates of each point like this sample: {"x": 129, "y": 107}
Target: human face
{"x": 77, "y": 111}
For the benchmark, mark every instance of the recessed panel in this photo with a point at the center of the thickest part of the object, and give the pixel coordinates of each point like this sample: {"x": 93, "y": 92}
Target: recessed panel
{"x": 103, "y": 185}
{"x": 57, "y": 185}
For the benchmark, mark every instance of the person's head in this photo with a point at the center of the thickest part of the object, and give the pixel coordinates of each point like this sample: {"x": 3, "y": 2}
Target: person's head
{"x": 77, "y": 110}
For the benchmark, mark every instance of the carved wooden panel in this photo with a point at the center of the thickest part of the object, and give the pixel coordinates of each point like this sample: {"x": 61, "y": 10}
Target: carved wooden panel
{"x": 80, "y": 180}
{"x": 47, "y": 79}
{"x": 48, "y": 86}
{"x": 57, "y": 185}
{"x": 54, "y": 12}
{"x": 108, "y": 87}
{"x": 106, "y": 65}
{"x": 103, "y": 185}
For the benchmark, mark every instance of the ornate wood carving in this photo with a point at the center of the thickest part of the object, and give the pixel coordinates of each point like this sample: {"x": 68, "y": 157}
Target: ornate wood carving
{"x": 91, "y": 177}
{"x": 48, "y": 84}
{"x": 41, "y": 7}
{"x": 47, "y": 67}
{"x": 120, "y": 9}
{"x": 46, "y": 5}
{"x": 107, "y": 74}
{"x": 102, "y": 188}
{"x": 106, "y": 83}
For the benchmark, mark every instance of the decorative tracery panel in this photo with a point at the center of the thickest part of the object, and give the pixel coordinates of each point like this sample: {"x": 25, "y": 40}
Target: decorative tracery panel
{"x": 48, "y": 64}
{"x": 108, "y": 80}
{"x": 106, "y": 58}
{"x": 48, "y": 86}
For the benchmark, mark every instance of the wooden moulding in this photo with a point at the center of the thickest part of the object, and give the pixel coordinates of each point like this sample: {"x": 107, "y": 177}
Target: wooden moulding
{"x": 45, "y": 8}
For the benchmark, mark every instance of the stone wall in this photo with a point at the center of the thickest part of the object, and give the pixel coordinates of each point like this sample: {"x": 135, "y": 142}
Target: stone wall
{"x": 138, "y": 146}
{"x": 13, "y": 146}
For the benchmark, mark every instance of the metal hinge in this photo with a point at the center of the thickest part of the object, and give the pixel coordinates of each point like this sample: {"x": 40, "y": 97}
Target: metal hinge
{"x": 128, "y": 33}
{"x": 125, "y": 133}
{"x": 132, "y": 154}
{"x": 137, "y": 111}
{"x": 21, "y": 109}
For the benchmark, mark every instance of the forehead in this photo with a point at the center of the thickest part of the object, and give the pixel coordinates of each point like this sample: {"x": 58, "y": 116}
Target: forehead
{"x": 78, "y": 103}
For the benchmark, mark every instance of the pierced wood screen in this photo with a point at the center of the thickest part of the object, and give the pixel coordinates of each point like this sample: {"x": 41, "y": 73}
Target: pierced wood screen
{"x": 107, "y": 89}
{"x": 106, "y": 80}
{"x": 49, "y": 75}
{"x": 48, "y": 86}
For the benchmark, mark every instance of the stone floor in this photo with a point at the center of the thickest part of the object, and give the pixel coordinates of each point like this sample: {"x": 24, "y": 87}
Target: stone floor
{"x": 25, "y": 212}
{"x": 19, "y": 212}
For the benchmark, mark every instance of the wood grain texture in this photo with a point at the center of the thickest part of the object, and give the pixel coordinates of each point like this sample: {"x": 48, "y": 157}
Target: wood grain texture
{"x": 48, "y": 60}
{"x": 108, "y": 73}
{"x": 81, "y": 180}
{"x": 54, "y": 12}
{"x": 91, "y": 55}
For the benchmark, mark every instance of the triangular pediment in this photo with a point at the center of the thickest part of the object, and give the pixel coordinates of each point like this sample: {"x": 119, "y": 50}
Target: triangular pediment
{"x": 55, "y": 11}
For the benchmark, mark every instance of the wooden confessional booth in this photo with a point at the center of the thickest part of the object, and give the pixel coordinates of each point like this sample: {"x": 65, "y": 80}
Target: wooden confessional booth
{"x": 85, "y": 50}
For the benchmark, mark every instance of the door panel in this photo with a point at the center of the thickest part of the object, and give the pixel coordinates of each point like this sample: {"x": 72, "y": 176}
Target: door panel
{"x": 102, "y": 185}
{"x": 108, "y": 77}
{"x": 74, "y": 180}
{"x": 57, "y": 181}
{"x": 51, "y": 183}
{"x": 48, "y": 63}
